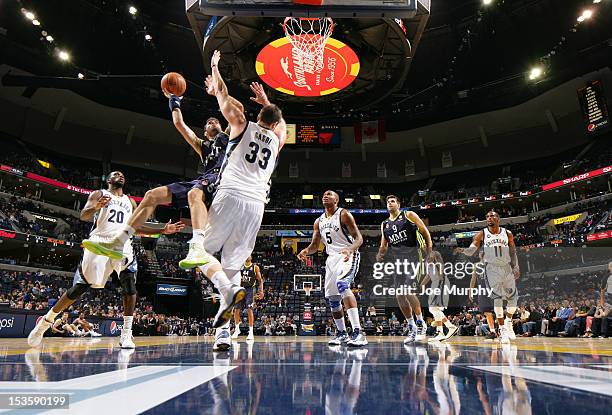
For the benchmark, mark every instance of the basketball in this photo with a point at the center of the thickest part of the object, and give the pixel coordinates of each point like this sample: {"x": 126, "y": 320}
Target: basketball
{"x": 173, "y": 83}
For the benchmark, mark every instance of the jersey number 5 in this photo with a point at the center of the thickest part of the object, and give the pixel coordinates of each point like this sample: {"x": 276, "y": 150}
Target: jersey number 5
{"x": 328, "y": 238}
{"x": 252, "y": 156}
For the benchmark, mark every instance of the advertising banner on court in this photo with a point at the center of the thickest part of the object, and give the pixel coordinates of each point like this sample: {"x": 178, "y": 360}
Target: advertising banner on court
{"x": 167, "y": 289}
{"x": 11, "y": 325}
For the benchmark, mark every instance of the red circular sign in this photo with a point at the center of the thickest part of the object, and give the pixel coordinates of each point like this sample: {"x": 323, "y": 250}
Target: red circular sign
{"x": 280, "y": 67}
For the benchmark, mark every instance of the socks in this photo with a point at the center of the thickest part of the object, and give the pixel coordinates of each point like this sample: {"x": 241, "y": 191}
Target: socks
{"x": 198, "y": 236}
{"x": 127, "y": 322}
{"x": 419, "y": 317}
{"x": 411, "y": 322}
{"x": 221, "y": 282}
{"x": 126, "y": 233}
{"x": 340, "y": 324}
{"x": 353, "y": 315}
{"x": 50, "y": 316}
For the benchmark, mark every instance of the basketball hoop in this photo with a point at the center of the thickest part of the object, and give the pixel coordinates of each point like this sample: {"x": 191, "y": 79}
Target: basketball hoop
{"x": 308, "y": 37}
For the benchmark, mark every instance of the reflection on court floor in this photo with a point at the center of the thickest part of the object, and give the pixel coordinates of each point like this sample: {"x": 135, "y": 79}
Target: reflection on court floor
{"x": 296, "y": 375}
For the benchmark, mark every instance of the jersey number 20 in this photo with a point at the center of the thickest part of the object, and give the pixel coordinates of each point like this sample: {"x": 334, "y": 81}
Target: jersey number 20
{"x": 252, "y": 156}
{"x": 116, "y": 216}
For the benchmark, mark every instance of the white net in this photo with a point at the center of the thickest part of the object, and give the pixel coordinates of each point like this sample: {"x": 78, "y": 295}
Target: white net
{"x": 308, "y": 37}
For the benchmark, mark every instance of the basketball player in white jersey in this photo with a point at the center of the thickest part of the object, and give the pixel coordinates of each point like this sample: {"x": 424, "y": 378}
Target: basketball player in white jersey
{"x": 109, "y": 209}
{"x": 501, "y": 271}
{"x": 237, "y": 210}
{"x": 438, "y": 301}
{"x": 342, "y": 239}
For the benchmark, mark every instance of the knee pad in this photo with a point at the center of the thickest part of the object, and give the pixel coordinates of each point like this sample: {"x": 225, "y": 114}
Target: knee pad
{"x": 499, "y": 312}
{"x": 128, "y": 283}
{"x": 76, "y": 290}
{"x": 334, "y": 303}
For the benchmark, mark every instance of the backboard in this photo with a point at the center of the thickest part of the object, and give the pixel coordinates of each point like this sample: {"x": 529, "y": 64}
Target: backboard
{"x": 328, "y": 8}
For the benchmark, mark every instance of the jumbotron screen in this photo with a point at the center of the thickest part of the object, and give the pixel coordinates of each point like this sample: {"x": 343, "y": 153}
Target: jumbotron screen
{"x": 314, "y": 135}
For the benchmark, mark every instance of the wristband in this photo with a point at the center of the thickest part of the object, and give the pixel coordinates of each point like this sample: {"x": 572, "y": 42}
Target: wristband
{"x": 174, "y": 102}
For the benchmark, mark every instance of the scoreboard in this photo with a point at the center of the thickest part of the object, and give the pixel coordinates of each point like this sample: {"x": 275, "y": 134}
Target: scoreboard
{"x": 594, "y": 108}
{"x": 313, "y": 135}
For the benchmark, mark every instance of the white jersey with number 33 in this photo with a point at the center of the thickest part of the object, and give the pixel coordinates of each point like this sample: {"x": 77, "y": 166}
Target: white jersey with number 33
{"x": 249, "y": 163}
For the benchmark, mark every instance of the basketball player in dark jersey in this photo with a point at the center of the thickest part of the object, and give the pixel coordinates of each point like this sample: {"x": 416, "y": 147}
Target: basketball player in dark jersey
{"x": 249, "y": 274}
{"x": 405, "y": 236}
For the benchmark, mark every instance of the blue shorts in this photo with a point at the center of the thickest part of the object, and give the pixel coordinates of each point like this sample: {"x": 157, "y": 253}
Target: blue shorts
{"x": 249, "y": 299}
{"x": 206, "y": 183}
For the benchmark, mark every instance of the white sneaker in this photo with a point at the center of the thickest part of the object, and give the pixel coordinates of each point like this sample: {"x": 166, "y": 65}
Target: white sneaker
{"x": 452, "y": 330}
{"x": 411, "y": 336}
{"x": 236, "y": 333}
{"x": 341, "y": 338}
{"x": 112, "y": 249}
{"x": 234, "y": 295}
{"x": 421, "y": 332}
{"x": 36, "y": 335}
{"x": 126, "y": 341}
{"x": 503, "y": 335}
{"x": 251, "y": 335}
{"x": 358, "y": 339}
{"x": 439, "y": 337}
{"x": 223, "y": 341}
{"x": 94, "y": 333}
{"x": 196, "y": 257}
{"x": 509, "y": 329}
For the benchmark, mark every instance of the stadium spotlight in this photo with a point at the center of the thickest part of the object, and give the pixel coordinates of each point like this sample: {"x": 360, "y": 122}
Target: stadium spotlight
{"x": 535, "y": 73}
{"x": 375, "y": 197}
{"x": 587, "y": 14}
{"x": 63, "y": 55}
{"x": 487, "y": 2}
{"x": 133, "y": 10}
{"x": 81, "y": 76}
{"x": 596, "y": 1}
{"x": 29, "y": 15}
{"x": 35, "y": 22}
{"x": 49, "y": 38}
{"x": 148, "y": 37}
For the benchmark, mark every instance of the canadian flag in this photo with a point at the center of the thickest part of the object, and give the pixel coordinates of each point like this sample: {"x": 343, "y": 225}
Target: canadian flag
{"x": 370, "y": 132}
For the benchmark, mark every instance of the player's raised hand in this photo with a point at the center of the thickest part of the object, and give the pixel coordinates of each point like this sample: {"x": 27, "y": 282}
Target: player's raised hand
{"x": 171, "y": 228}
{"x": 103, "y": 201}
{"x": 303, "y": 254}
{"x": 211, "y": 88}
{"x": 216, "y": 57}
{"x": 260, "y": 94}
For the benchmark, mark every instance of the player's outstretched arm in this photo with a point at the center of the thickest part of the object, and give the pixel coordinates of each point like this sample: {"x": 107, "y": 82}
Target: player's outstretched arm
{"x": 314, "y": 244}
{"x": 192, "y": 139}
{"x": 232, "y": 112}
{"x": 475, "y": 246}
{"x": 95, "y": 202}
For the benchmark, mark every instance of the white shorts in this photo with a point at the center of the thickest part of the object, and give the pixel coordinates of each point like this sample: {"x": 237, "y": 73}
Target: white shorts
{"x": 336, "y": 269}
{"x": 96, "y": 269}
{"x": 501, "y": 279}
{"x": 233, "y": 223}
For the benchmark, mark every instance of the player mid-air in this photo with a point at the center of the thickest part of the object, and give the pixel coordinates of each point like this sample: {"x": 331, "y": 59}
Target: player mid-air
{"x": 337, "y": 229}
{"x": 501, "y": 270}
{"x": 249, "y": 275}
{"x": 244, "y": 181}
{"x": 405, "y": 236}
{"x": 109, "y": 209}
{"x": 195, "y": 194}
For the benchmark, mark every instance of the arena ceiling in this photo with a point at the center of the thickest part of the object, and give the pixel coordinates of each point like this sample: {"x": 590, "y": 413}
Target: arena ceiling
{"x": 471, "y": 58}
